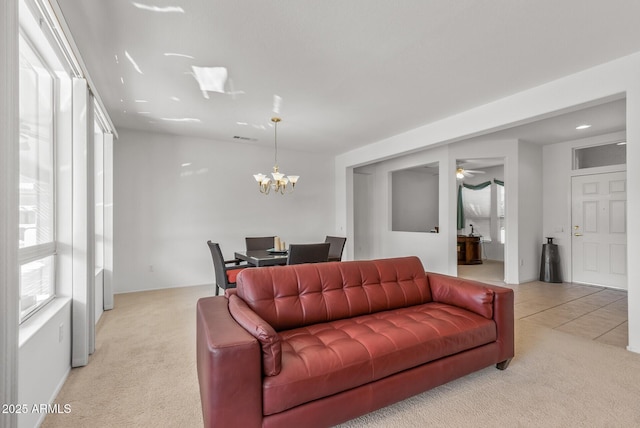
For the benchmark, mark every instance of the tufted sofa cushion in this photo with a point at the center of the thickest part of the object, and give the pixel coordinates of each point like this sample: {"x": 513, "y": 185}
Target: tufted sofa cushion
{"x": 294, "y": 296}
{"x": 324, "y": 359}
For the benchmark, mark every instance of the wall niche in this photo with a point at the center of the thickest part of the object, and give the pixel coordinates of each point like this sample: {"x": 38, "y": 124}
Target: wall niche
{"x": 415, "y": 199}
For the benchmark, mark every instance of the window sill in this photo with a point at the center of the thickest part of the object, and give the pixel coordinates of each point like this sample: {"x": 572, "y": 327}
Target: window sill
{"x": 31, "y": 326}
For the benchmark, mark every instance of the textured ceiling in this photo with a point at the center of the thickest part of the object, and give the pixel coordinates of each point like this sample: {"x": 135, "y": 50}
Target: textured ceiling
{"x": 346, "y": 73}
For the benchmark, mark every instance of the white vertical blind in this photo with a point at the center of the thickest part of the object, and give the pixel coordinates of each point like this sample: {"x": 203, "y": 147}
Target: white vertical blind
{"x": 83, "y": 307}
{"x": 108, "y": 221}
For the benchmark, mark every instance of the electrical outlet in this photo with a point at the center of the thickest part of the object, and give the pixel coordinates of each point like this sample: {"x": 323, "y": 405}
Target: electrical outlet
{"x": 60, "y": 332}
{"x": 150, "y": 268}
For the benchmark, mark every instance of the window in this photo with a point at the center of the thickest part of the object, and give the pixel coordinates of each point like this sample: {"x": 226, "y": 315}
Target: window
{"x": 37, "y": 180}
{"x": 483, "y": 209}
{"x": 500, "y": 204}
{"x": 477, "y": 211}
{"x": 602, "y": 155}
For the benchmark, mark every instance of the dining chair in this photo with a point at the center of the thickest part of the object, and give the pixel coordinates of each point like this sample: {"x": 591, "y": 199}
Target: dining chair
{"x": 259, "y": 243}
{"x": 308, "y": 253}
{"x": 225, "y": 275}
{"x": 336, "y": 248}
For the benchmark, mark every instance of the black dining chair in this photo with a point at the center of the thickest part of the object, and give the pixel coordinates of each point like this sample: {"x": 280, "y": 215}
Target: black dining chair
{"x": 225, "y": 275}
{"x": 259, "y": 243}
{"x": 336, "y": 248}
{"x": 308, "y": 253}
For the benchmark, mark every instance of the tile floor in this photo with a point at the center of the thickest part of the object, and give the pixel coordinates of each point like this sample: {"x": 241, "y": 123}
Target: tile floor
{"x": 592, "y": 312}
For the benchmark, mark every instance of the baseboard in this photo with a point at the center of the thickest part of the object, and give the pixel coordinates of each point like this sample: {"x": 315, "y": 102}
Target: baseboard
{"x": 161, "y": 288}
{"x": 54, "y": 395}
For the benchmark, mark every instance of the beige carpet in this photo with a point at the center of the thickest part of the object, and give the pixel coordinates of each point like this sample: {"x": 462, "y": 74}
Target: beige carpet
{"x": 143, "y": 375}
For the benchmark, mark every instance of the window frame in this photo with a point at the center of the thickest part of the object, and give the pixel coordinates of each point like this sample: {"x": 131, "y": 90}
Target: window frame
{"x": 41, "y": 251}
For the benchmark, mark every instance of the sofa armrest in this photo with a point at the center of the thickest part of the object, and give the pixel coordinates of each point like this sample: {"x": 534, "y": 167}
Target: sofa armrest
{"x": 472, "y": 295}
{"x": 257, "y": 327}
{"x": 229, "y": 367}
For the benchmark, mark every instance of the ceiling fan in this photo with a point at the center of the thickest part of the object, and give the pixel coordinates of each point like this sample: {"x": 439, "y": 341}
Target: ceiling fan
{"x": 462, "y": 173}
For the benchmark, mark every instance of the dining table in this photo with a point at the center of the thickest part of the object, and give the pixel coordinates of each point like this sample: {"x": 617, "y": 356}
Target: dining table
{"x": 262, "y": 258}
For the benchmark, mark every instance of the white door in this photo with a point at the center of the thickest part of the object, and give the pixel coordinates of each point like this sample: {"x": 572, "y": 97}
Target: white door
{"x": 599, "y": 229}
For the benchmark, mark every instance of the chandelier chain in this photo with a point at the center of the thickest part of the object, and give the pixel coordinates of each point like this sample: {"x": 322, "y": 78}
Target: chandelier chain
{"x": 275, "y": 135}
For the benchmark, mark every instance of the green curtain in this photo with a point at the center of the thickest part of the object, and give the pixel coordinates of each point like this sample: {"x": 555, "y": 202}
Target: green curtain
{"x": 460, "y": 209}
{"x": 476, "y": 186}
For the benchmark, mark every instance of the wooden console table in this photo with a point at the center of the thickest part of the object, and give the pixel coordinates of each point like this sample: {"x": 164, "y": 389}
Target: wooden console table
{"x": 469, "y": 250}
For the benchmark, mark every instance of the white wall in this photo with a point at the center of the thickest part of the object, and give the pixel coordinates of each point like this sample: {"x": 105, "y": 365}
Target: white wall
{"x": 522, "y": 170}
{"x": 376, "y": 212}
{"x": 45, "y": 358}
{"x": 530, "y": 237}
{"x": 557, "y": 172}
{"x": 602, "y": 82}
{"x": 164, "y": 212}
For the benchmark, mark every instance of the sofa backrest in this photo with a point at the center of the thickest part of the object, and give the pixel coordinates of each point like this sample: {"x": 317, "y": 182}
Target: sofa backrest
{"x": 294, "y": 296}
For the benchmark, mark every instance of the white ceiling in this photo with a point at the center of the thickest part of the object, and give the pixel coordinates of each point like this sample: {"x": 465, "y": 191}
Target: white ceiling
{"x": 348, "y": 72}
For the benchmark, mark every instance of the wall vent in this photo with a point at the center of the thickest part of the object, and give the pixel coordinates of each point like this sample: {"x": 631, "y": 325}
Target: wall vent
{"x": 238, "y": 137}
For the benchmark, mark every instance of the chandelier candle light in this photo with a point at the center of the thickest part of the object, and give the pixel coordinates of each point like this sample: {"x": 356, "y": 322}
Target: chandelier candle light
{"x": 280, "y": 182}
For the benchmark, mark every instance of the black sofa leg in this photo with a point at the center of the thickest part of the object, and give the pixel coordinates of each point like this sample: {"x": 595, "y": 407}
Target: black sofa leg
{"x": 502, "y": 365}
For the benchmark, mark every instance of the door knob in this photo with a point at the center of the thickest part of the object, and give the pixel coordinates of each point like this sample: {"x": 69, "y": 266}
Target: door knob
{"x": 577, "y": 234}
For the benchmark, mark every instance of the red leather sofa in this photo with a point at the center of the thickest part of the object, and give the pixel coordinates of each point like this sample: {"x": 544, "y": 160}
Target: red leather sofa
{"x": 319, "y": 344}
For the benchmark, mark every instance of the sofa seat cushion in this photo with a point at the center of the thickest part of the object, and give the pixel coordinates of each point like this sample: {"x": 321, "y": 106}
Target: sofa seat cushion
{"x": 323, "y": 359}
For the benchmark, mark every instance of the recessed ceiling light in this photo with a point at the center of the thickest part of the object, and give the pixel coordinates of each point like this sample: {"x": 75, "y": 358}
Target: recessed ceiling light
{"x": 142, "y": 101}
{"x": 585, "y": 126}
{"x": 622, "y": 143}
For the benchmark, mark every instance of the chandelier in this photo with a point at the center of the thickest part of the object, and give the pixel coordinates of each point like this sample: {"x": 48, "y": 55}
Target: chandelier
{"x": 279, "y": 183}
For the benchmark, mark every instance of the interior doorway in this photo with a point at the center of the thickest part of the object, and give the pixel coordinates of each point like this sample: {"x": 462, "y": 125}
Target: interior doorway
{"x": 480, "y": 222}
{"x": 364, "y": 223}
